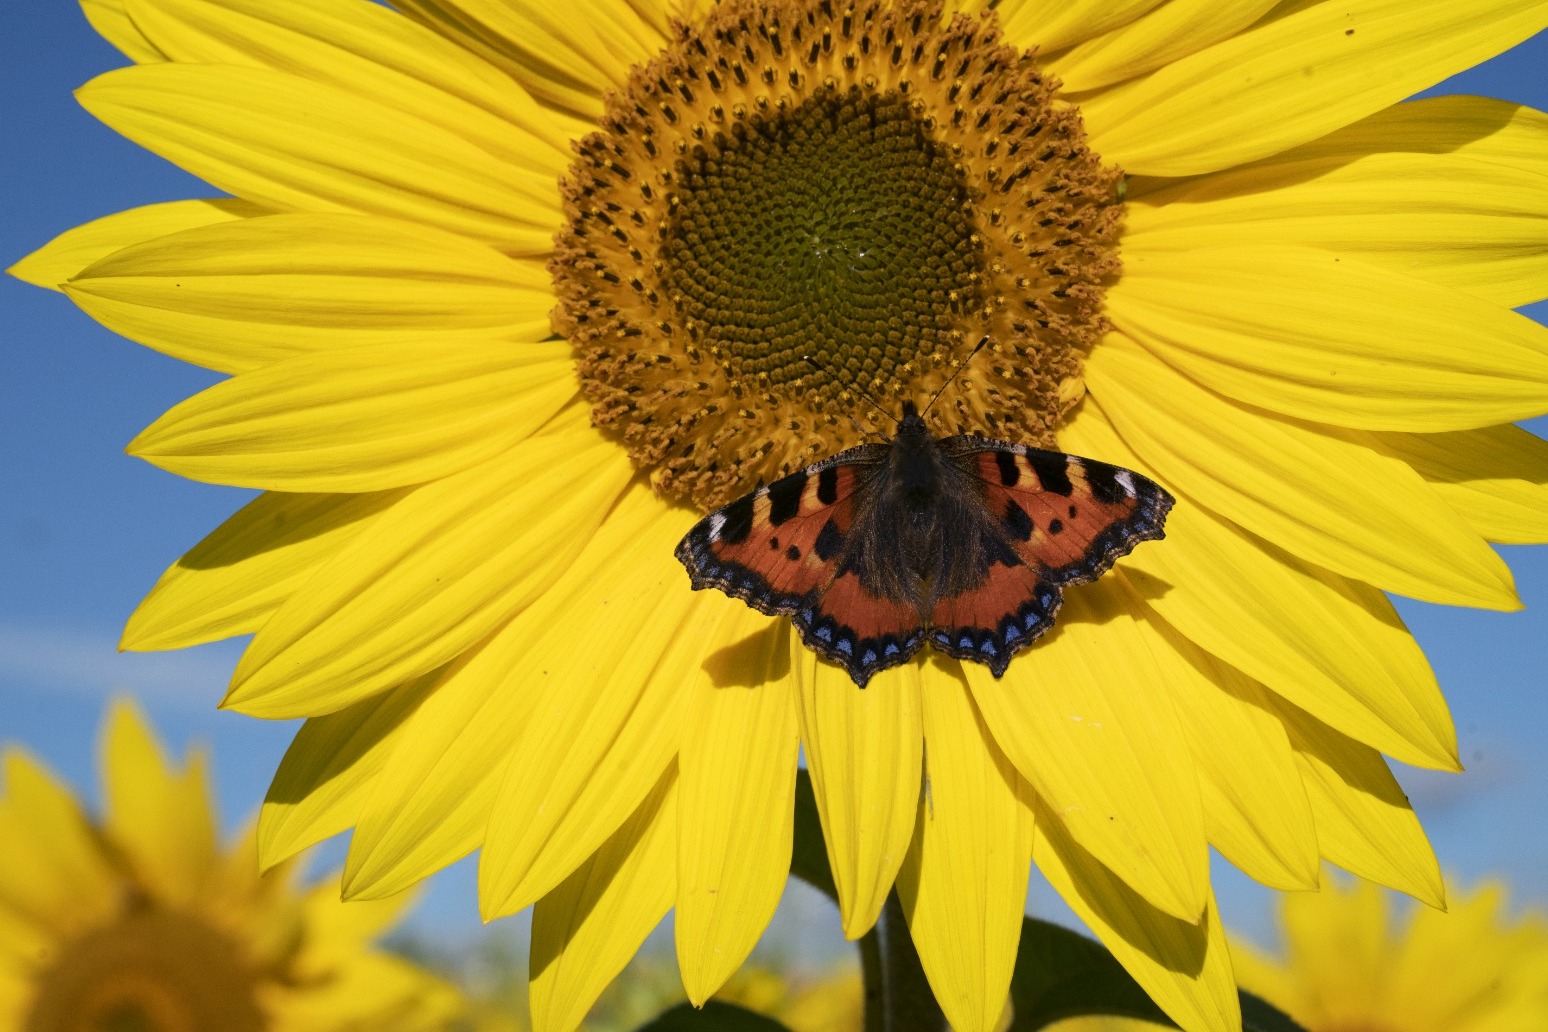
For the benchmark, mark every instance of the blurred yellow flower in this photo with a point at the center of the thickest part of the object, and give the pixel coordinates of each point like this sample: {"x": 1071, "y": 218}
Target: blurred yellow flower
{"x": 140, "y": 922}
{"x": 1347, "y": 965}
{"x": 1294, "y": 312}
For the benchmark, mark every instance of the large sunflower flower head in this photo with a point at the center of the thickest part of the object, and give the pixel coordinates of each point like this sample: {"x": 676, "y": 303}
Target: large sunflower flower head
{"x": 1348, "y": 962}
{"x": 511, "y": 293}
{"x": 139, "y": 920}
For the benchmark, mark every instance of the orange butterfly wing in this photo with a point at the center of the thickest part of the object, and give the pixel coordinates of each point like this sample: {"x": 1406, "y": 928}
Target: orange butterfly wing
{"x": 1054, "y": 520}
{"x": 781, "y": 550}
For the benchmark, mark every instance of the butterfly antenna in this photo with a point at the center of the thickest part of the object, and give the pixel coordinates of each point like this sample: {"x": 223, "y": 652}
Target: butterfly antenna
{"x": 976, "y": 349}
{"x": 868, "y": 399}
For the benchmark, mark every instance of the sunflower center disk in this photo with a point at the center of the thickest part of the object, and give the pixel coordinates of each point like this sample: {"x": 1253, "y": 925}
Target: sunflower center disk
{"x": 798, "y": 203}
{"x": 837, "y": 230}
{"x": 152, "y": 971}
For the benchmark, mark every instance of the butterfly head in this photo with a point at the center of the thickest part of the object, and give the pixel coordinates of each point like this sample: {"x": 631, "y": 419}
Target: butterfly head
{"x": 912, "y": 423}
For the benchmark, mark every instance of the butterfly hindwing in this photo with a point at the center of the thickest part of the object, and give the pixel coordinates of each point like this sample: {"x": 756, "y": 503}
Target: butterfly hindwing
{"x": 858, "y": 629}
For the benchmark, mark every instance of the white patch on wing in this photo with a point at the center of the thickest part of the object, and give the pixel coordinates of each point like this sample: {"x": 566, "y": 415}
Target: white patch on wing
{"x": 716, "y": 522}
{"x": 1123, "y": 478}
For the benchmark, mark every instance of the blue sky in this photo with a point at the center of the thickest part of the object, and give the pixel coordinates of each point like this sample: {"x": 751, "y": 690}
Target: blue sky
{"x": 84, "y": 530}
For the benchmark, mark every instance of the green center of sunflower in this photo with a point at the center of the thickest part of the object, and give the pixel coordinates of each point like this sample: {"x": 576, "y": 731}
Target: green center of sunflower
{"x": 798, "y": 205}
{"x": 152, "y": 971}
{"x": 837, "y": 231}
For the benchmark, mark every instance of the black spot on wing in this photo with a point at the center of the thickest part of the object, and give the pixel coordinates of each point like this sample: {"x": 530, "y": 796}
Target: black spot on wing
{"x": 1017, "y": 522}
{"x": 738, "y": 521}
{"x": 830, "y": 541}
{"x": 827, "y": 485}
{"x": 1051, "y": 471}
{"x": 785, "y": 497}
{"x": 793, "y": 553}
{"x": 1056, "y": 526}
{"x": 1105, "y": 487}
{"x": 1146, "y": 522}
{"x": 1009, "y": 471}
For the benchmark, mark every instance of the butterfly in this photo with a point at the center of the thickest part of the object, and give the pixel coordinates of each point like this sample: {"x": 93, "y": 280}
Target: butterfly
{"x": 964, "y": 542}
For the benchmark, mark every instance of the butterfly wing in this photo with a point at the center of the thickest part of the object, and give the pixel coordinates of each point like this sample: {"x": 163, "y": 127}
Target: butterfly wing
{"x": 789, "y": 549}
{"x": 1051, "y": 520}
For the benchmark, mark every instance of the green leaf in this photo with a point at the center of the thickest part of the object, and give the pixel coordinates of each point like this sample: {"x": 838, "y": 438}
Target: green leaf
{"x": 809, "y": 851}
{"x": 1061, "y": 974}
{"x": 1258, "y": 1015}
{"x": 714, "y": 1016}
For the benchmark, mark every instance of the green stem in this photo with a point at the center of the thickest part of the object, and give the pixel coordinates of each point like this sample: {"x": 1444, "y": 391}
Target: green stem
{"x": 897, "y": 995}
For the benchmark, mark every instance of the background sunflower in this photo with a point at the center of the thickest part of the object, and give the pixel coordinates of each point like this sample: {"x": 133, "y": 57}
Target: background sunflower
{"x": 1355, "y": 956}
{"x": 123, "y": 557}
{"x": 138, "y": 918}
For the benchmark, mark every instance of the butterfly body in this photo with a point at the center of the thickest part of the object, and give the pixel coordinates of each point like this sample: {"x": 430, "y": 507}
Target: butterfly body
{"x": 964, "y": 542}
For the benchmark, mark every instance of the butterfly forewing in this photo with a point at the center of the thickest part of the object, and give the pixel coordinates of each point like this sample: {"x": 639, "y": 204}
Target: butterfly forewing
{"x": 777, "y": 548}
{"x": 1060, "y": 520}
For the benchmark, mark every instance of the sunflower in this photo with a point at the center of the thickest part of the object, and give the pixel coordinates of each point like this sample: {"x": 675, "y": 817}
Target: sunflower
{"x": 140, "y": 922}
{"x": 1346, "y": 965}
{"x": 511, "y": 293}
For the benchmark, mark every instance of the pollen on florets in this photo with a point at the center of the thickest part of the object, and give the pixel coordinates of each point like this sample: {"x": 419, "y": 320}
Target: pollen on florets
{"x": 799, "y": 203}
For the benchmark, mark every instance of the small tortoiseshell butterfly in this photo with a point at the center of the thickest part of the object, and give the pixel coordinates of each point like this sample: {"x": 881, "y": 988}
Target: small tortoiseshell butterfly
{"x": 964, "y": 541}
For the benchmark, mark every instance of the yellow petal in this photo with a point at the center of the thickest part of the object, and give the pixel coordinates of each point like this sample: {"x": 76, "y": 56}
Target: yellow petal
{"x": 1478, "y": 128}
{"x": 73, "y": 250}
{"x": 1182, "y": 965}
{"x": 113, "y": 24}
{"x": 159, "y": 817}
{"x": 1334, "y": 340}
{"x": 1158, "y": 37}
{"x": 1110, "y": 761}
{"x": 243, "y": 294}
{"x": 433, "y": 801}
{"x": 370, "y": 50}
{"x": 325, "y": 779}
{"x": 736, "y": 796}
{"x": 608, "y": 717}
{"x": 1354, "y": 976}
{"x": 1496, "y": 478}
{"x": 585, "y": 931}
{"x": 1364, "y": 821}
{"x": 1332, "y": 646}
{"x": 1449, "y": 190}
{"x": 1255, "y": 808}
{"x": 373, "y": 991}
{"x": 863, "y": 749}
{"x": 365, "y": 418}
{"x": 1051, "y": 24}
{"x": 55, "y": 877}
{"x": 335, "y": 931}
{"x": 1446, "y": 958}
{"x": 442, "y": 570}
{"x": 232, "y": 581}
{"x": 283, "y": 141}
{"x": 1295, "y": 78}
{"x": 568, "y": 55}
{"x": 1318, "y": 495}
{"x": 964, "y": 885}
